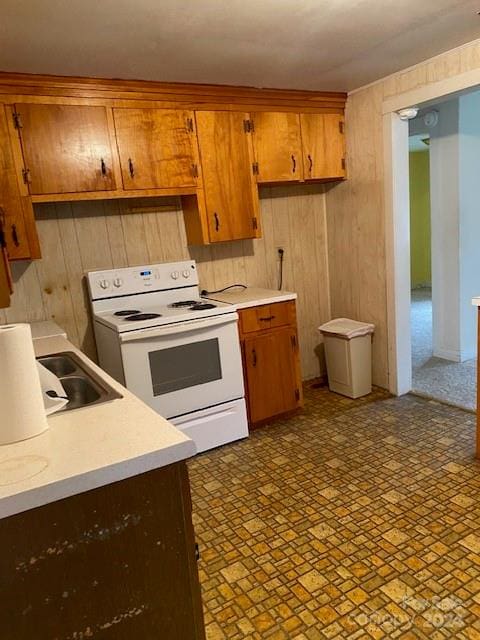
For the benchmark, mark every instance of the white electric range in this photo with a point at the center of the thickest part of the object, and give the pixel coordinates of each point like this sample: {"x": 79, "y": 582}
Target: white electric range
{"x": 177, "y": 352}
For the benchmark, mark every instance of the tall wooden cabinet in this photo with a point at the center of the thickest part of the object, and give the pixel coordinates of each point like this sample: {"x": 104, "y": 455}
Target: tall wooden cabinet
{"x": 231, "y": 199}
{"x": 271, "y": 364}
{"x": 157, "y": 147}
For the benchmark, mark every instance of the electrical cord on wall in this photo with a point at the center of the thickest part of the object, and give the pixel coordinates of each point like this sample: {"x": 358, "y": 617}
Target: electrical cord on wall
{"x": 204, "y": 292}
{"x": 280, "y": 279}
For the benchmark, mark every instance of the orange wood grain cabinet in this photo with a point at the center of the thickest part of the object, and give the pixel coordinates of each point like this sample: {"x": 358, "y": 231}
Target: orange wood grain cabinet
{"x": 17, "y": 221}
{"x": 230, "y": 191}
{"x": 66, "y": 148}
{"x": 4, "y": 281}
{"x": 323, "y": 143}
{"x": 157, "y": 148}
{"x": 278, "y": 146}
{"x": 270, "y": 360}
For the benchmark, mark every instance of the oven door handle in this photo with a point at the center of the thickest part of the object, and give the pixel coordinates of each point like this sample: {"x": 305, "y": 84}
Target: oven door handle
{"x": 180, "y": 327}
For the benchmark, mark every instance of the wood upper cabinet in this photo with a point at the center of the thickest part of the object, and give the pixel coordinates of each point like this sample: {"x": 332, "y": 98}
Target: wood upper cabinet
{"x": 4, "y": 280}
{"x": 271, "y": 361}
{"x": 277, "y": 146}
{"x": 17, "y": 223}
{"x": 323, "y": 142}
{"x": 231, "y": 197}
{"x": 66, "y": 148}
{"x": 157, "y": 148}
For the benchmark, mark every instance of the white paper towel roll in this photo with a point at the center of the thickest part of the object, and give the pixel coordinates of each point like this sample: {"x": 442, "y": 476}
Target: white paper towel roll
{"x": 22, "y": 412}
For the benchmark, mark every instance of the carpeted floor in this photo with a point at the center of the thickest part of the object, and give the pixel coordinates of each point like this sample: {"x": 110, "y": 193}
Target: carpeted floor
{"x": 356, "y": 519}
{"x": 451, "y": 382}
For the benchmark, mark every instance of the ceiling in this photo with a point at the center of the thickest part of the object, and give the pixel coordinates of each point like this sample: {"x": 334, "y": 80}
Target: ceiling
{"x": 297, "y": 44}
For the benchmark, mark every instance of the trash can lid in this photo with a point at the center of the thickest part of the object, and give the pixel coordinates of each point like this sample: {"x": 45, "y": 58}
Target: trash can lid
{"x": 346, "y": 328}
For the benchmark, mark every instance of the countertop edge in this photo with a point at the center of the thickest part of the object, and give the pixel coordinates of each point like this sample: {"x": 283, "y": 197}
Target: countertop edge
{"x": 93, "y": 479}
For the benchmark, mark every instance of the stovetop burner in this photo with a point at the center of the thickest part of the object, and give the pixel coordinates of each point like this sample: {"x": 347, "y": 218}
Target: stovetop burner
{"x": 126, "y": 312}
{"x": 202, "y": 306}
{"x": 182, "y": 303}
{"x": 143, "y": 316}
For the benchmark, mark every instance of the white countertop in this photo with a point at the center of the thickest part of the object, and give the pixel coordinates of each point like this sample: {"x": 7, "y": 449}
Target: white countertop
{"x": 86, "y": 448}
{"x": 252, "y": 297}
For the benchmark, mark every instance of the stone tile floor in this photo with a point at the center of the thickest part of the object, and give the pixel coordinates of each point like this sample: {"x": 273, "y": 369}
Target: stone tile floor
{"x": 356, "y": 519}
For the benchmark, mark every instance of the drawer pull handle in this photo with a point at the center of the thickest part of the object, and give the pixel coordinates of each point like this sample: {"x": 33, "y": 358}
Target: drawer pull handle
{"x": 254, "y": 356}
{"x": 217, "y": 221}
{"x": 310, "y": 162}
{"x": 103, "y": 167}
{"x": 15, "y": 236}
{"x": 131, "y": 168}
{"x": 294, "y": 164}
{"x": 267, "y": 319}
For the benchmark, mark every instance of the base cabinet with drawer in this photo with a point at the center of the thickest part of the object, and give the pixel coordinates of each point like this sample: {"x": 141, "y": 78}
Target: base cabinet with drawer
{"x": 271, "y": 362}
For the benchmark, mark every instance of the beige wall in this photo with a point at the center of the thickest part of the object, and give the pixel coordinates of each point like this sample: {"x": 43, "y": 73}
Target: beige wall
{"x": 355, "y": 209}
{"x": 93, "y": 235}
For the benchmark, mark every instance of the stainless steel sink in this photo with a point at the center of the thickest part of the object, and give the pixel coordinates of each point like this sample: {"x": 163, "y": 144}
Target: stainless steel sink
{"x": 83, "y": 386}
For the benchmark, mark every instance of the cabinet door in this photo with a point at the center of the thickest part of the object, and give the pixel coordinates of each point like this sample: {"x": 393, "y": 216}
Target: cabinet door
{"x": 16, "y": 213}
{"x": 271, "y": 373}
{"x": 156, "y": 148}
{"x": 66, "y": 148}
{"x": 277, "y": 146}
{"x": 230, "y": 191}
{"x": 323, "y": 143}
{"x": 4, "y": 280}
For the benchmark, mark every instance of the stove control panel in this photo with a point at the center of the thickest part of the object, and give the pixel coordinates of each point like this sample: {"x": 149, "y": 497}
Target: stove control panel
{"x": 132, "y": 280}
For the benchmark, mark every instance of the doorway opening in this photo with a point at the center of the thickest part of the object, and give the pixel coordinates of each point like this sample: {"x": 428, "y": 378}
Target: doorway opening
{"x": 444, "y": 262}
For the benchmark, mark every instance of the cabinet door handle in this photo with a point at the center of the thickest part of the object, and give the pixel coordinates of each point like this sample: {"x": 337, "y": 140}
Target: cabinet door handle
{"x": 103, "y": 167}
{"x": 217, "y": 221}
{"x": 294, "y": 164}
{"x": 15, "y": 235}
{"x": 267, "y": 318}
{"x": 131, "y": 168}
{"x": 310, "y": 163}
{"x": 254, "y": 357}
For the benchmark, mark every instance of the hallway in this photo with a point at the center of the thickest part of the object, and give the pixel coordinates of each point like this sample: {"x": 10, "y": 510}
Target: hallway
{"x": 451, "y": 382}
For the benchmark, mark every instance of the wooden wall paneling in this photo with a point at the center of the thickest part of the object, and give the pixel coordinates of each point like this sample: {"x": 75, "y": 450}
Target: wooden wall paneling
{"x": 303, "y": 260}
{"x": 53, "y": 274}
{"x": 470, "y": 56}
{"x": 269, "y": 256}
{"x": 27, "y": 303}
{"x": 116, "y": 239}
{"x": 135, "y": 239}
{"x": 75, "y": 274}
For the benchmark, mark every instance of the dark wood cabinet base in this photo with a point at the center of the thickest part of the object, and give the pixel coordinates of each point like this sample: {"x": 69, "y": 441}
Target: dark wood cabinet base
{"x": 115, "y": 563}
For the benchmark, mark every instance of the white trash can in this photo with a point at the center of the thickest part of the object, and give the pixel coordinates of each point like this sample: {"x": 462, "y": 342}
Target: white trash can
{"x": 348, "y": 352}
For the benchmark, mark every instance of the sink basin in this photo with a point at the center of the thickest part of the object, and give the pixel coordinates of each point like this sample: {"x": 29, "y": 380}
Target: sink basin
{"x": 83, "y": 386}
{"x": 80, "y": 391}
{"x": 59, "y": 365}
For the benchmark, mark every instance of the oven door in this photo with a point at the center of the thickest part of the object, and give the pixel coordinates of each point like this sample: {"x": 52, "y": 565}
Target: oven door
{"x": 184, "y": 367}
